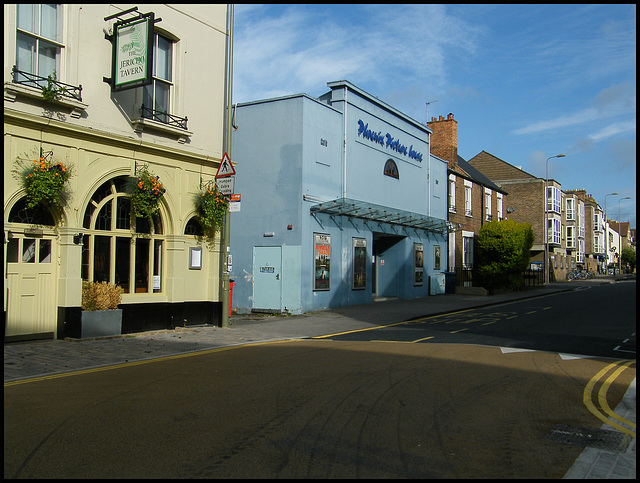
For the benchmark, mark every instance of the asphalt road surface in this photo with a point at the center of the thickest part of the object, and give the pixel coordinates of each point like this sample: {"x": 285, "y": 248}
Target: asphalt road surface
{"x": 596, "y": 320}
{"x": 308, "y": 409}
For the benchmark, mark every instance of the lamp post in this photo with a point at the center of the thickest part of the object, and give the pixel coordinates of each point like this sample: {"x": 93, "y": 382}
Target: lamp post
{"x": 620, "y": 234}
{"x": 606, "y": 235}
{"x": 546, "y": 220}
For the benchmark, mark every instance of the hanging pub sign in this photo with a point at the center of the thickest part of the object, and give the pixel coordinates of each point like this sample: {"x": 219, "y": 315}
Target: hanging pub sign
{"x": 132, "y": 59}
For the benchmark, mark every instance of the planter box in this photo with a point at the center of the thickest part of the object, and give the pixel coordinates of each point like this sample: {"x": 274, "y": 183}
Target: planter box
{"x": 101, "y": 323}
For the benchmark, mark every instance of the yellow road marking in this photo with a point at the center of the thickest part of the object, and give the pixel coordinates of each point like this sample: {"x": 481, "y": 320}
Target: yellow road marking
{"x": 602, "y": 395}
{"x": 136, "y": 363}
{"x": 456, "y": 331}
{"x": 425, "y": 338}
{"x": 588, "y": 392}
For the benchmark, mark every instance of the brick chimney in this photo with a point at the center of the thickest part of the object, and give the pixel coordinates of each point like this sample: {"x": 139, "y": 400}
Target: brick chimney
{"x": 444, "y": 139}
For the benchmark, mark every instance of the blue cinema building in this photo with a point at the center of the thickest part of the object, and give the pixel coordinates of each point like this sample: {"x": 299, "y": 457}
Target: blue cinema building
{"x": 341, "y": 203}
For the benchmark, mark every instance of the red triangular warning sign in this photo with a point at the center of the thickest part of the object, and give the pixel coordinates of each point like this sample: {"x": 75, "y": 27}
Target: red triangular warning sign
{"x": 225, "y": 168}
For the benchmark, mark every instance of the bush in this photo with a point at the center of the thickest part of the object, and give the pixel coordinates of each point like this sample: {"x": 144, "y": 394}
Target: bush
{"x": 100, "y": 296}
{"x": 503, "y": 253}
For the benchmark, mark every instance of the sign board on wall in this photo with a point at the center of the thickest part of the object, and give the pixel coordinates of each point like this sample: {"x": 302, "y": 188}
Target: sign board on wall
{"x": 132, "y": 61}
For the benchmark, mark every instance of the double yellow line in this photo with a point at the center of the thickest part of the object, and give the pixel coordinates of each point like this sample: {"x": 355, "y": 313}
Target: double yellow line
{"x": 605, "y": 411}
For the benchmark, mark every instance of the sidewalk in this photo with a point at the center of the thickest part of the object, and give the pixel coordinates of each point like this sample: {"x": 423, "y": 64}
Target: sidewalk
{"x": 48, "y": 357}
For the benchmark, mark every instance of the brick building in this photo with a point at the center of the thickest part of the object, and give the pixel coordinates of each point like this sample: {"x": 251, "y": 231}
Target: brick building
{"x": 527, "y": 205}
{"x": 473, "y": 199}
{"x": 594, "y": 258}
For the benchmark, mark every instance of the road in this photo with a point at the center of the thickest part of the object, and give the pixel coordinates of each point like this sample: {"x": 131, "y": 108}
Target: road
{"x": 595, "y": 320}
{"x": 324, "y": 408}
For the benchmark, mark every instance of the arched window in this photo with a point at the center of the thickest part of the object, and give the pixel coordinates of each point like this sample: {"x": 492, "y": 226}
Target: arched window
{"x": 118, "y": 247}
{"x": 38, "y": 215}
{"x": 391, "y": 169}
{"x": 193, "y": 228}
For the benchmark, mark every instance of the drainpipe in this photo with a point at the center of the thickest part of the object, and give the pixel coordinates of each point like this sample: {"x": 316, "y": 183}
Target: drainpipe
{"x": 224, "y": 251}
{"x": 344, "y": 146}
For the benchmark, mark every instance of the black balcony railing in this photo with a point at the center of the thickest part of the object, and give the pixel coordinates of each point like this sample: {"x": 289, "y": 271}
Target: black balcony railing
{"x": 164, "y": 117}
{"x": 49, "y": 84}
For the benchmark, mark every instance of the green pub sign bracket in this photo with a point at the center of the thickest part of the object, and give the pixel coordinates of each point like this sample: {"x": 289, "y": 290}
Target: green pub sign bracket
{"x": 132, "y": 59}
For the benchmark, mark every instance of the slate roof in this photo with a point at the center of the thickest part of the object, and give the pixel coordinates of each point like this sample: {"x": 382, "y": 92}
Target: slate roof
{"x": 497, "y": 169}
{"x": 464, "y": 169}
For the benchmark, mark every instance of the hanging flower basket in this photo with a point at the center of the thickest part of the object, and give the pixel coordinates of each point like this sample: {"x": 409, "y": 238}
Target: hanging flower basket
{"x": 146, "y": 191}
{"x": 44, "y": 180}
{"x": 212, "y": 206}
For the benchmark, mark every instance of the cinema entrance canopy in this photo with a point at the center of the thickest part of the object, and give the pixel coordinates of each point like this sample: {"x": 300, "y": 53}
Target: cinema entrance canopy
{"x": 383, "y": 214}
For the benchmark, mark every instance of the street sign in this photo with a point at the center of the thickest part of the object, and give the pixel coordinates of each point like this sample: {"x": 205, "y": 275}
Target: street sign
{"x": 225, "y": 168}
{"x": 234, "y": 203}
{"x": 226, "y": 185}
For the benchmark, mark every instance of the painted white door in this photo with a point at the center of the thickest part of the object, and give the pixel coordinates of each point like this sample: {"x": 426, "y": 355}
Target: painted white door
{"x": 267, "y": 279}
{"x": 32, "y": 286}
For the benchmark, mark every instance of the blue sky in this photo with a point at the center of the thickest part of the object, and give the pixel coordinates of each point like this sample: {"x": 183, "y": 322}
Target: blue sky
{"x": 524, "y": 82}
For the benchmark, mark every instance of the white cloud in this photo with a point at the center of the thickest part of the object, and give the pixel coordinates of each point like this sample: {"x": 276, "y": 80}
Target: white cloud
{"x": 614, "y": 129}
{"x": 291, "y": 49}
{"x": 613, "y": 101}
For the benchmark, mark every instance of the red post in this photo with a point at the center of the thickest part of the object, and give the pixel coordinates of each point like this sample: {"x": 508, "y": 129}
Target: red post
{"x": 231, "y": 284}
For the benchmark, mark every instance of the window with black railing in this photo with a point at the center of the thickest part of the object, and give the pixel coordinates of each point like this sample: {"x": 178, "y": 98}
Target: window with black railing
{"x": 50, "y": 86}
{"x": 163, "y": 117}
{"x": 157, "y": 96}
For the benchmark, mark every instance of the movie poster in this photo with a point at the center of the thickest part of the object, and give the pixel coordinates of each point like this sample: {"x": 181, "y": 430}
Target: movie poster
{"x": 359, "y": 264}
{"x": 418, "y": 264}
{"x": 322, "y": 261}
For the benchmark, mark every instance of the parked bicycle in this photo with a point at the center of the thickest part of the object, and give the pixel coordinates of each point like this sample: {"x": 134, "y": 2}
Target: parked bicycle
{"x": 580, "y": 275}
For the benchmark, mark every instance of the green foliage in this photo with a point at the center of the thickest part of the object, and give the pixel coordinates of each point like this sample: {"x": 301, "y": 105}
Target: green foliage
{"x": 146, "y": 191}
{"x": 628, "y": 256}
{"x": 52, "y": 91}
{"x": 503, "y": 253}
{"x": 212, "y": 206}
{"x": 44, "y": 181}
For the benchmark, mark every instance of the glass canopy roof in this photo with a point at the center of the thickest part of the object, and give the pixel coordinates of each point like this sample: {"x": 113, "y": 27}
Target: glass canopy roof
{"x": 383, "y": 214}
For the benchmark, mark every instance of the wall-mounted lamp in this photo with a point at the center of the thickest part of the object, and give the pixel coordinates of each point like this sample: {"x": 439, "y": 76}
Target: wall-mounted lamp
{"x": 289, "y": 227}
{"x": 269, "y": 234}
{"x": 77, "y": 239}
{"x": 511, "y": 209}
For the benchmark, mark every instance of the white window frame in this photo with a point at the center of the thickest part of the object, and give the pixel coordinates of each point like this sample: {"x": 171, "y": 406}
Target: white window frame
{"x": 487, "y": 204}
{"x": 36, "y": 35}
{"x": 571, "y": 237}
{"x": 150, "y": 92}
{"x": 468, "y": 198}
{"x": 554, "y": 203}
{"x": 570, "y": 209}
{"x": 452, "y": 193}
{"x": 467, "y": 249}
{"x": 499, "y": 207}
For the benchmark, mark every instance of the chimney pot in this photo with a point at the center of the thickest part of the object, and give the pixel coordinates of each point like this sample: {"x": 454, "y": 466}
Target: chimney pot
{"x": 441, "y": 118}
{"x": 450, "y": 116}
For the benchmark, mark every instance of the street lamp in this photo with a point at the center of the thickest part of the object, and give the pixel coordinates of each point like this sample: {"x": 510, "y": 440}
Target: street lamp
{"x": 606, "y": 235}
{"x": 546, "y": 221}
{"x": 620, "y": 234}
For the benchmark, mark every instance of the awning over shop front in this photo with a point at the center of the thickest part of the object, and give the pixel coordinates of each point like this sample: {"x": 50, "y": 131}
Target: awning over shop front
{"x": 383, "y": 214}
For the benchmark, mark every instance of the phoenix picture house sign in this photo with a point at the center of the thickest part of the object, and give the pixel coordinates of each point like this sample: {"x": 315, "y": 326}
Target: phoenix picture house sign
{"x": 386, "y": 140}
{"x": 132, "y": 60}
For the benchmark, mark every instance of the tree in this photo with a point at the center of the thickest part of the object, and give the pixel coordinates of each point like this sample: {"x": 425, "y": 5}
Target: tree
{"x": 629, "y": 256}
{"x": 503, "y": 253}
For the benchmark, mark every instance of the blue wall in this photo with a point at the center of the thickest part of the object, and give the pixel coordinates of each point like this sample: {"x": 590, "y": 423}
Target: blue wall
{"x": 290, "y": 157}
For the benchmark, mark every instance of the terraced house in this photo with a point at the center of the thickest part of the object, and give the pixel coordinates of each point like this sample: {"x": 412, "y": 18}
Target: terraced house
{"x": 473, "y": 199}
